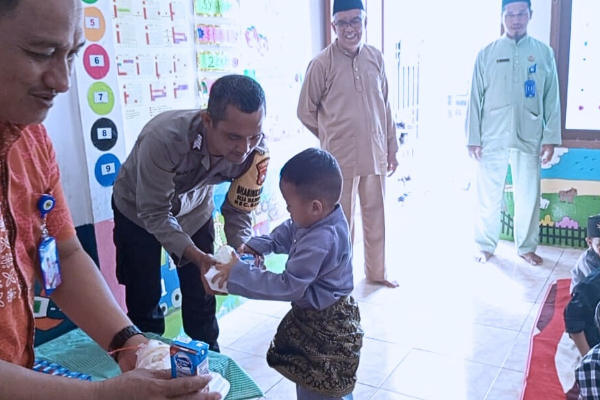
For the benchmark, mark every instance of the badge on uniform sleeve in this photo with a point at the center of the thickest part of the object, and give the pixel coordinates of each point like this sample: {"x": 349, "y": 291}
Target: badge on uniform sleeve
{"x": 245, "y": 191}
{"x": 47, "y": 250}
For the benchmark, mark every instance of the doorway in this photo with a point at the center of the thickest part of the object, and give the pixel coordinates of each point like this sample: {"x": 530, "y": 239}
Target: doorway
{"x": 430, "y": 50}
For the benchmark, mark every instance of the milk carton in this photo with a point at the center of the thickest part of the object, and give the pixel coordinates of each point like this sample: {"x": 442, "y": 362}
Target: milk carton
{"x": 188, "y": 357}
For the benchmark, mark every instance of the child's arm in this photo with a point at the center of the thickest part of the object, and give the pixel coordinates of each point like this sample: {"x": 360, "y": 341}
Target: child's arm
{"x": 581, "y": 342}
{"x": 279, "y": 241}
{"x": 302, "y": 268}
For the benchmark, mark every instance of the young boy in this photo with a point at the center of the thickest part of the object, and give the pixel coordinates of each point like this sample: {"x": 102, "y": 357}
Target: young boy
{"x": 317, "y": 344}
{"x": 587, "y": 373}
{"x": 585, "y": 291}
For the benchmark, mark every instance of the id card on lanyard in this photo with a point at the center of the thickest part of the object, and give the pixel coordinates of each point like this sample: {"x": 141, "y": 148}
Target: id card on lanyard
{"x": 530, "y": 82}
{"x": 47, "y": 250}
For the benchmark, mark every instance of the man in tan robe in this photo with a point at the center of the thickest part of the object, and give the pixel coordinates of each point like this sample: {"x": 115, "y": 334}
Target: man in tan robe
{"x": 344, "y": 102}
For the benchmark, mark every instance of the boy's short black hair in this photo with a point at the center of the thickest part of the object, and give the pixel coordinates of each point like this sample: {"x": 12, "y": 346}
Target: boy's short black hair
{"x": 316, "y": 175}
{"x": 240, "y": 91}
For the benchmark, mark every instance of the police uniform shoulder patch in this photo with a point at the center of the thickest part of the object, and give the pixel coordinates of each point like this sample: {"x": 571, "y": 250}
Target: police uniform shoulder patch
{"x": 245, "y": 191}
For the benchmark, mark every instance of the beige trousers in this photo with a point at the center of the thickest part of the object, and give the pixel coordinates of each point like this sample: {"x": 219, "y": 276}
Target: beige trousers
{"x": 371, "y": 193}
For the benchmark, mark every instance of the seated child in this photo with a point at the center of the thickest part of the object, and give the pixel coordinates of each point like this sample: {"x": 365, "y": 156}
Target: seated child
{"x": 317, "y": 344}
{"x": 589, "y": 260}
{"x": 587, "y": 374}
{"x": 585, "y": 291}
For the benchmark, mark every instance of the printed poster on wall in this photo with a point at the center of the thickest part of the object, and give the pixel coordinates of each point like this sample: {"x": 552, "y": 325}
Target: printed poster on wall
{"x": 583, "y": 93}
{"x": 154, "y": 59}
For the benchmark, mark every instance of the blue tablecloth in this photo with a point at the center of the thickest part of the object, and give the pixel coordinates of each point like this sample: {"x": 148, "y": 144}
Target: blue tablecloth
{"x": 76, "y": 351}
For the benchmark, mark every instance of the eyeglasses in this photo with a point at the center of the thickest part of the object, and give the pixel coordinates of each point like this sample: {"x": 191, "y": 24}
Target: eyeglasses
{"x": 519, "y": 15}
{"x": 355, "y": 23}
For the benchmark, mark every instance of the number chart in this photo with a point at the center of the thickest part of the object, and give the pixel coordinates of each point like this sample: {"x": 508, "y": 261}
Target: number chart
{"x": 155, "y": 60}
{"x": 99, "y": 108}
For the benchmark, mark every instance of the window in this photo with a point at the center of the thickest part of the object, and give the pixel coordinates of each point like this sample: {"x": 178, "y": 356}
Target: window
{"x": 574, "y": 37}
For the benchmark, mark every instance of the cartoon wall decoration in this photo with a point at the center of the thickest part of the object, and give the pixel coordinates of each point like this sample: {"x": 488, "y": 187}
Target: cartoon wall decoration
{"x": 570, "y": 194}
{"x": 50, "y": 321}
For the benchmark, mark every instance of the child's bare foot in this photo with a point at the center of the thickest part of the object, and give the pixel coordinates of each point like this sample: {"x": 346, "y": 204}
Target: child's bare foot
{"x": 482, "y": 256}
{"x": 532, "y": 258}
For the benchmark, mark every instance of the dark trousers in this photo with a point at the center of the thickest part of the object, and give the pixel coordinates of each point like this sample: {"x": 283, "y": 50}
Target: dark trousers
{"x": 138, "y": 269}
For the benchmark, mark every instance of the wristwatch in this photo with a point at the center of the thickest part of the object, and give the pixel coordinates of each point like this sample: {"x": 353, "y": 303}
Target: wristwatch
{"x": 120, "y": 338}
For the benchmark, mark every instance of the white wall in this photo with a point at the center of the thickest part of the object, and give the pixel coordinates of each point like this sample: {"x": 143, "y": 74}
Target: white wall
{"x": 539, "y": 26}
{"x": 374, "y": 34}
{"x": 64, "y": 127}
{"x": 317, "y": 26}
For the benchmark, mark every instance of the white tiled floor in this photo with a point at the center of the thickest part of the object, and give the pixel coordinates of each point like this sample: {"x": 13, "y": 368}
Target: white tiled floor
{"x": 452, "y": 330}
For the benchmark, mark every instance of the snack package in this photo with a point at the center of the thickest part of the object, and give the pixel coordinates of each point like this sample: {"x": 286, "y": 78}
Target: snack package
{"x": 154, "y": 355}
{"x": 219, "y": 384}
{"x": 188, "y": 358}
{"x": 223, "y": 255}
{"x": 215, "y": 286}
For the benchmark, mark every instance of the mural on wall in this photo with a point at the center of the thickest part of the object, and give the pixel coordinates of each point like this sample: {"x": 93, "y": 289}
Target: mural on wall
{"x": 50, "y": 321}
{"x": 570, "y": 194}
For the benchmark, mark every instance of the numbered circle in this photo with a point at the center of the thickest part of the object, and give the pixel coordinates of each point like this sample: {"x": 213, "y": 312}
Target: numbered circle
{"x": 107, "y": 168}
{"x": 176, "y": 298}
{"x": 101, "y": 98}
{"x": 94, "y": 24}
{"x": 96, "y": 61}
{"x": 104, "y": 134}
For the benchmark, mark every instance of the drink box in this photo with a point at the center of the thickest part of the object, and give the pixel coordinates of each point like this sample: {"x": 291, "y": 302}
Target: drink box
{"x": 188, "y": 358}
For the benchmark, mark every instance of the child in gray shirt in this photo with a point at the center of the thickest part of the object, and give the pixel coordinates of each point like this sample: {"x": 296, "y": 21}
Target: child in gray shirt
{"x": 317, "y": 344}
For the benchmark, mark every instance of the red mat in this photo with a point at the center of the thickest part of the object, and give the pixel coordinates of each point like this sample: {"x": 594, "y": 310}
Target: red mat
{"x": 552, "y": 354}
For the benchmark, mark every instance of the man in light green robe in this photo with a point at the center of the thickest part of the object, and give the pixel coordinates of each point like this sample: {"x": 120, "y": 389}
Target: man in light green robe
{"x": 513, "y": 118}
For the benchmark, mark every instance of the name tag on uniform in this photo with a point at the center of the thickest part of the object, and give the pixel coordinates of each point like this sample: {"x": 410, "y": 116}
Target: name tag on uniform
{"x": 50, "y": 267}
{"x": 47, "y": 250}
{"x": 529, "y": 88}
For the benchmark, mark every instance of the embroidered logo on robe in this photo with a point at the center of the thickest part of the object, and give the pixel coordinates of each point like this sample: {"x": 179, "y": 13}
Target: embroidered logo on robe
{"x": 245, "y": 191}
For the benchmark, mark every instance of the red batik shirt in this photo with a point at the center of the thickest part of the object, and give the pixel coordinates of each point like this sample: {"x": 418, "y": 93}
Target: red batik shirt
{"x": 28, "y": 169}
